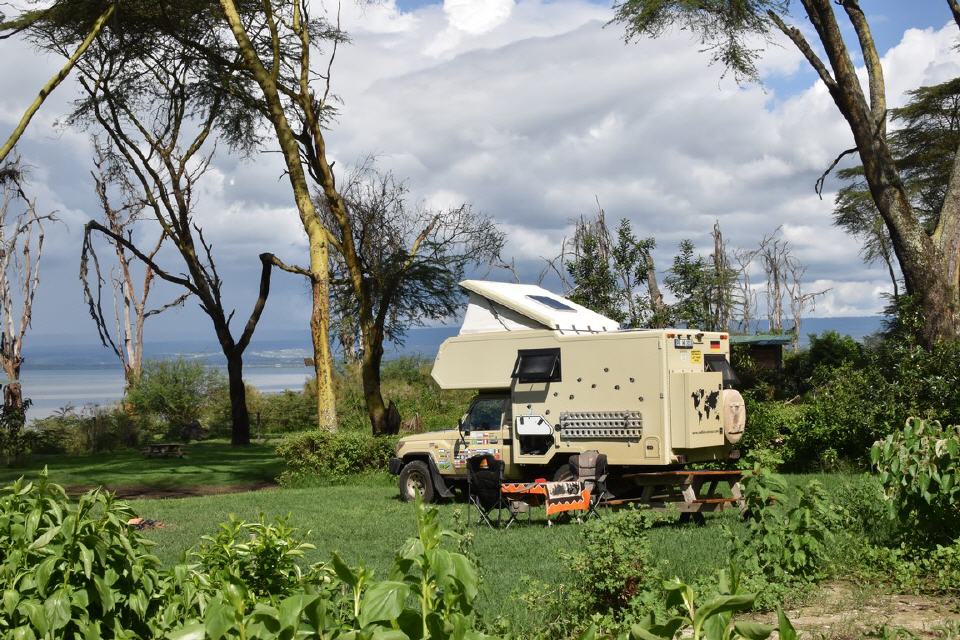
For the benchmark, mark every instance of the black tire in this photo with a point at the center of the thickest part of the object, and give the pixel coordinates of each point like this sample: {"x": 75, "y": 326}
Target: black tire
{"x": 415, "y": 478}
{"x": 564, "y": 473}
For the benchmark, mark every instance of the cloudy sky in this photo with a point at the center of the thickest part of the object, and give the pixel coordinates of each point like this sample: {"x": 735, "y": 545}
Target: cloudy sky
{"x": 530, "y": 111}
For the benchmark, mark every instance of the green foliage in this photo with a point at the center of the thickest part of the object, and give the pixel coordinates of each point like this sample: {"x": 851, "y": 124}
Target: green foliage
{"x": 614, "y": 560}
{"x": 728, "y": 30}
{"x": 688, "y": 281}
{"x": 87, "y": 431}
{"x": 789, "y": 532}
{"x": 178, "y": 391}
{"x": 72, "y": 569}
{"x": 262, "y": 555}
{"x": 333, "y": 454}
{"x": 78, "y": 570}
{"x": 919, "y": 467}
{"x": 14, "y": 439}
{"x": 852, "y": 407}
{"x": 711, "y": 620}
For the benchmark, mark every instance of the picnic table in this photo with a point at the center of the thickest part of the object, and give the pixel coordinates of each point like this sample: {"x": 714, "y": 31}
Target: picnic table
{"x": 163, "y": 450}
{"x": 557, "y": 497}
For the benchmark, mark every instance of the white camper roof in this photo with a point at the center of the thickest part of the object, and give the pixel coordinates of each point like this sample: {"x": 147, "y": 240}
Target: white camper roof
{"x": 504, "y": 306}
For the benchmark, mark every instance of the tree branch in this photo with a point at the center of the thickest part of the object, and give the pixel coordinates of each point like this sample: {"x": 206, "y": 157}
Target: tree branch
{"x": 818, "y": 187}
{"x": 801, "y": 43}
{"x": 878, "y": 97}
{"x": 54, "y": 82}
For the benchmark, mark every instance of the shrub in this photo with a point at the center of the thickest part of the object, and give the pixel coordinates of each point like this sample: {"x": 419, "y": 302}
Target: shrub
{"x": 178, "y": 391}
{"x": 614, "y": 563}
{"x": 90, "y": 430}
{"x": 72, "y": 569}
{"x": 770, "y": 428}
{"x": 789, "y": 532}
{"x": 851, "y": 408}
{"x": 334, "y": 454}
{"x": 919, "y": 467}
{"x": 76, "y": 570}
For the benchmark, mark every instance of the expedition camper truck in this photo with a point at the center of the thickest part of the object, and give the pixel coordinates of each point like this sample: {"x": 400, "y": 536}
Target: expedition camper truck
{"x": 555, "y": 379}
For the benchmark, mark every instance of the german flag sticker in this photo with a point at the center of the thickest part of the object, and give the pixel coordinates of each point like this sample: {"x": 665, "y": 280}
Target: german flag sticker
{"x": 714, "y": 344}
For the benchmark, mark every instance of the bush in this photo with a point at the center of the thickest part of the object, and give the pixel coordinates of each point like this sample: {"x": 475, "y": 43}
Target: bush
{"x": 90, "y": 430}
{"x": 76, "y": 570}
{"x": 72, "y": 569}
{"x": 334, "y": 454}
{"x": 851, "y": 408}
{"x": 789, "y": 532}
{"x": 919, "y": 468}
{"x": 771, "y": 424}
{"x": 178, "y": 391}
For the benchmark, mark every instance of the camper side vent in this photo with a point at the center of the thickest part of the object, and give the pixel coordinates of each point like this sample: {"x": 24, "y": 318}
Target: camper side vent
{"x": 601, "y": 424}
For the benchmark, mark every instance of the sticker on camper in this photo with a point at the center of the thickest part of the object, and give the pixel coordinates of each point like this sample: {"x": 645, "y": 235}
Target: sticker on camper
{"x": 696, "y": 357}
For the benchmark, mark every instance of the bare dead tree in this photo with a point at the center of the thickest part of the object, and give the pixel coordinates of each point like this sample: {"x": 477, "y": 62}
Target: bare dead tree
{"x": 723, "y": 282}
{"x": 129, "y": 300}
{"x": 800, "y": 302}
{"x": 773, "y": 252}
{"x": 21, "y": 251}
{"x": 152, "y": 111}
{"x": 746, "y": 298}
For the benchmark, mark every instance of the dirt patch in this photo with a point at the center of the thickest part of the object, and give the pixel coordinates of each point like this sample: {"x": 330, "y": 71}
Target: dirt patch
{"x": 146, "y": 492}
{"x": 842, "y": 611}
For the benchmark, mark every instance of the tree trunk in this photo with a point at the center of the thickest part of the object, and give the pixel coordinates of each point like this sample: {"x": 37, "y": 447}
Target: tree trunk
{"x": 240, "y": 434}
{"x": 370, "y": 362}
{"x": 319, "y": 334}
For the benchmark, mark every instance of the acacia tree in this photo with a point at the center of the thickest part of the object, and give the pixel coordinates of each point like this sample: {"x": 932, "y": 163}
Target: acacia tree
{"x": 404, "y": 272}
{"x": 274, "y": 51}
{"x": 923, "y": 145}
{"x": 159, "y": 116}
{"x": 21, "y": 250}
{"x": 129, "y": 303}
{"x": 928, "y": 259}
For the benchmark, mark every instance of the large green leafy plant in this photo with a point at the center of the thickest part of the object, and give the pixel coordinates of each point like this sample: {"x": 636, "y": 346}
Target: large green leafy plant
{"x": 76, "y": 569}
{"x": 919, "y": 467}
{"x": 72, "y": 569}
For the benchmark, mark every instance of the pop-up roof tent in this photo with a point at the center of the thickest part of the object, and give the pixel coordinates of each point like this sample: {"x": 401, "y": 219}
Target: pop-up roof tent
{"x": 502, "y": 306}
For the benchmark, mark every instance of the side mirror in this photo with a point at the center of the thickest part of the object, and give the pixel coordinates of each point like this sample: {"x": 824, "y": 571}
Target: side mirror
{"x": 464, "y": 429}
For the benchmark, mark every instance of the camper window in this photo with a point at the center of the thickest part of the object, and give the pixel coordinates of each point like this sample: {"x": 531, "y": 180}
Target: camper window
{"x": 719, "y": 364}
{"x": 537, "y": 365}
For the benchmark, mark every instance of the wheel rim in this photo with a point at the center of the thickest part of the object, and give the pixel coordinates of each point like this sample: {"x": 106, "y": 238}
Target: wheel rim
{"x": 416, "y": 483}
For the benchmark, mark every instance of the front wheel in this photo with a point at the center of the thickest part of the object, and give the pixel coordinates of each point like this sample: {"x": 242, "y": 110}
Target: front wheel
{"x": 415, "y": 478}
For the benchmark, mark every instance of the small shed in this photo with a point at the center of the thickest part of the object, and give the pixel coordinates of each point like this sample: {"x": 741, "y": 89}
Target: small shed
{"x": 765, "y": 350}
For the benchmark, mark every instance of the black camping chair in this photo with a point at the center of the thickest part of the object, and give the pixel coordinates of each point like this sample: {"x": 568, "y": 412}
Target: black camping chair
{"x": 484, "y": 477}
{"x": 590, "y": 468}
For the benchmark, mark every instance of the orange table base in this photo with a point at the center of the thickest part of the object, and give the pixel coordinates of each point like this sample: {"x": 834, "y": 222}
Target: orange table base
{"x": 556, "y": 496}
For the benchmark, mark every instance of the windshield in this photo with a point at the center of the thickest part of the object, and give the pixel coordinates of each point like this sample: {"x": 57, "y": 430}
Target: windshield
{"x": 486, "y": 413}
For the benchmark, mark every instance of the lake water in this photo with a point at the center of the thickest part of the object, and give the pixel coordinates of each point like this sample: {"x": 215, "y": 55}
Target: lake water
{"x": 57, "y": 375}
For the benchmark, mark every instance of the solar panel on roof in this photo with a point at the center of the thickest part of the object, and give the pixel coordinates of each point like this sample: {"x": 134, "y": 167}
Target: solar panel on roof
{"x": 552, "y": 303}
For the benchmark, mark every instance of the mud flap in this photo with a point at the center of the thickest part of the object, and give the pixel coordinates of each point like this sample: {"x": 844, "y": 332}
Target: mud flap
{"x": 439, "y": 484}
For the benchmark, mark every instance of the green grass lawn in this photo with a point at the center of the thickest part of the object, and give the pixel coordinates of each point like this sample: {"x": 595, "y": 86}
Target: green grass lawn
{"x": 364, "y": 520}
{"x": 207, "y": 466}
{"x": 366, "y": 523}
